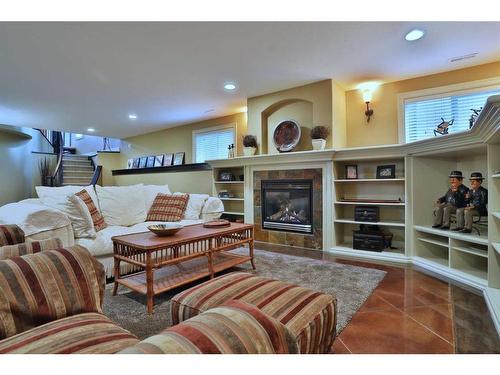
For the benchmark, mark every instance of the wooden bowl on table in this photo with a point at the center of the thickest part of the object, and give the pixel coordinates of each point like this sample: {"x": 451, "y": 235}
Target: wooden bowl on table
{"x": 163, "y": 230}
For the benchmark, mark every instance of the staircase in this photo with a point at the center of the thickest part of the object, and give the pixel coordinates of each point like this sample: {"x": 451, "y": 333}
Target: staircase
{"x": 76, "y": 170}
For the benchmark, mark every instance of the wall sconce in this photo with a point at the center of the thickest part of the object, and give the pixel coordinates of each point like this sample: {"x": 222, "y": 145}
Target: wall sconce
{"x": 367, "y": 89}
{"x": 367, "y": 97}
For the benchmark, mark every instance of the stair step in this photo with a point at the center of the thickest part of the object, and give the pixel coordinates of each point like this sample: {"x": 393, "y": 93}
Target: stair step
{"x": 68, "y": 171}
{"x": 76, "y": 164}
{"x": 78, "y": 169}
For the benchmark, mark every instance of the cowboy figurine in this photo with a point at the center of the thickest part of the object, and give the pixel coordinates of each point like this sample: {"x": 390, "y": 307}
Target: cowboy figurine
{"x": 477, "y": 199}
{"x": 451, "y": 201}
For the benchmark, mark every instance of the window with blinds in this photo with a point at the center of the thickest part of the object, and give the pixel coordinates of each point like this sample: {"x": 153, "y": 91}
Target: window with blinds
{"x": 210, "y": 145}
{"x": 423, "y": 115}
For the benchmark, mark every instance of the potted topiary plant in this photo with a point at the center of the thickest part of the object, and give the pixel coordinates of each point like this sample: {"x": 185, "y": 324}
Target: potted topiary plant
{"x": 318, "y": 137}
{"x": 250, "y": 145}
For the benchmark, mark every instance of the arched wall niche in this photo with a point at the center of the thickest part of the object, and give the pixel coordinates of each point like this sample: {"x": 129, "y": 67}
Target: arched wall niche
{"x": 297, "y": 109}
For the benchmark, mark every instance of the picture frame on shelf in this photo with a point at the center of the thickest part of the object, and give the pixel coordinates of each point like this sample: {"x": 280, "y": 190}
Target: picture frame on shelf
{"x": 351, "y": 172}
{"x": 136, "y": 162}
{"x": 386, "y": 171}
{"x": 143, "y": 161}
{"x": 130, "y": 163}
{"x": 158, "y": 160}
{"x": 167, "y": 160}
{"x": 179, "y": 158}
{"x": 226, "y": 176}
{"x": 151, "y": 162}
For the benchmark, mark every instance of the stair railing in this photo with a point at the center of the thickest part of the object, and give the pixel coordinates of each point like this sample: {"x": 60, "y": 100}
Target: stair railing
{"x": 56, "y": 179}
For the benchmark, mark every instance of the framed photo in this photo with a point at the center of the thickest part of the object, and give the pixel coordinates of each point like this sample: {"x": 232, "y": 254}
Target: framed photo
{"x": 151, "y": 162}
{"x": 386, "y": 171}
{"x": 158, "y": 160}
{"x": 130, "y": 163}
{"x": 143, "y": 161}
{"x": 351, "y": 172}
{"x": 226, "y": 176}
{"x": 168, "y": 159}
{"x": 179, "y": 158}
{"x": 135, "y": 163}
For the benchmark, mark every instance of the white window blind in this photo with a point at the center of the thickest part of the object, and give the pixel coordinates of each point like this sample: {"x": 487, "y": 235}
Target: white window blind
{"x": 212, "y": 145}
{"x": 423, "y": 115}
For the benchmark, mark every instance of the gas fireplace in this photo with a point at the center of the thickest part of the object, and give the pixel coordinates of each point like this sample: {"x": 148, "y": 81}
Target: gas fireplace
{"x": 287, "y": 205}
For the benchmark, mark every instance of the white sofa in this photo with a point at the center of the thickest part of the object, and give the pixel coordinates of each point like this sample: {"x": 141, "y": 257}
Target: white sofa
{"x": 124, "y": 210}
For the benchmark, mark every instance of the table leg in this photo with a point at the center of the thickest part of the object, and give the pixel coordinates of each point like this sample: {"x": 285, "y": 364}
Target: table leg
{"x": 210, "y": 264}
{"x": 116, "y": 273}
{"x": 250, "y": 247}
{"x": 149, "y": 282}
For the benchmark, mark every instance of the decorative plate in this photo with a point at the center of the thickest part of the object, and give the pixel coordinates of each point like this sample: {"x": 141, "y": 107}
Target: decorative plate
{"x": 217, "y": 223}
{"x": 163, "y": 230}
{"x": 286, "y": 135}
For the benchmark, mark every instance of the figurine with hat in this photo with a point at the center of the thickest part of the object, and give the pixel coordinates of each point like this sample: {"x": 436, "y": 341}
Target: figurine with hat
{"x": 477, "y": 200}
{"x": 451, "y": 201}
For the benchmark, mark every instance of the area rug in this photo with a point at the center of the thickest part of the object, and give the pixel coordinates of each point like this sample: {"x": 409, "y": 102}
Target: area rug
{"x": 352, "y": 285}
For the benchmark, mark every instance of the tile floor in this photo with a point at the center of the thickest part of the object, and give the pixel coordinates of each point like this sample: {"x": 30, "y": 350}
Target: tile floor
{"x": 411, "y": 312}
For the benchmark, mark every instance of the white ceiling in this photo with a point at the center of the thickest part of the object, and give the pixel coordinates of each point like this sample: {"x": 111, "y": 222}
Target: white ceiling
{"x": 71, "y": 76}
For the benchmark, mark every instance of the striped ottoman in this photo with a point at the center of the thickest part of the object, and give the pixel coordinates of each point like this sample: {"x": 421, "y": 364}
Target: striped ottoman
{"x": 308, "y": 314}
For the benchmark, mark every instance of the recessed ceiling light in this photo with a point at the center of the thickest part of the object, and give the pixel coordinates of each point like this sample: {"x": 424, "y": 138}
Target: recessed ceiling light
{"x": 91, "y": 130}
{"x": 229, "y": 86}
{"x": 414, "y": 34}
{"x": 132, "y": 116}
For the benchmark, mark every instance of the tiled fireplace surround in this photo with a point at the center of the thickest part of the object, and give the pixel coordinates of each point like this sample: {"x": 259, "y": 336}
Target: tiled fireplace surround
{"x": 311, "y": 241}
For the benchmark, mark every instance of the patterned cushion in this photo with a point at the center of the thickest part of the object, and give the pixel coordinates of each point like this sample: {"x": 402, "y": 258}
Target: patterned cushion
{"x": 233, "y": 328}
{"x": 87, "y": 333}
{"x": 33, "y": 247}
{"x": 310, "y": 315}
{"x": 39, "y": 288}
{"x": 168, "y": 207}
{"x": 96, "y": 216}
{"x": 11, "y": 235}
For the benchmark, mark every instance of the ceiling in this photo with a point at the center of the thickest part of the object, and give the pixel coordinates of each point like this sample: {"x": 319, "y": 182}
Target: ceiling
{"x": 72, "y": 76}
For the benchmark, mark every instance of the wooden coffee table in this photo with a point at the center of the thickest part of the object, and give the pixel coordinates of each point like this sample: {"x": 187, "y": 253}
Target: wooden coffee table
{"x": 192, "y": 253}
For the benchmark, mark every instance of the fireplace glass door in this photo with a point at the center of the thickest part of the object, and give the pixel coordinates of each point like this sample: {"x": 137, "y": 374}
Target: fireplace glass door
{"x": 287, "y": 205}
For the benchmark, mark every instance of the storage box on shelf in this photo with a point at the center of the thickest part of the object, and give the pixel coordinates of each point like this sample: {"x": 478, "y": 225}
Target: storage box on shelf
{"x": 388, "y": 194}
{"x": 229, "y": 187}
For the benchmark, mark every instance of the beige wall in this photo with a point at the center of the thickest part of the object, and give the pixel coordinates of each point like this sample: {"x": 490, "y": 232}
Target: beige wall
{"x": 168, "y": 141}
{"x": 383, "y": 126}
{"x": 18, "y": 167}
{"x": 318, "y": 95}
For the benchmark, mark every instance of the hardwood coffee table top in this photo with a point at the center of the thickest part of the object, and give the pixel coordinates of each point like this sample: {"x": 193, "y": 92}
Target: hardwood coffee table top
{"x": 150, "y": 241}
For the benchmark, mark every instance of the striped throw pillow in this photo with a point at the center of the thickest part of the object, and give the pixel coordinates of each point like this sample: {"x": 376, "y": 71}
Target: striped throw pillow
{"x": 97, "y": 218}
{"x": 168, "y": 207}
{"x": 10, "y": 251}
{"x": 11, "y": 235}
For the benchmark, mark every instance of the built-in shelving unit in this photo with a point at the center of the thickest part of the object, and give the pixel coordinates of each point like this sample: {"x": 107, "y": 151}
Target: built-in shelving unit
{"x": 234, "y": 204}
{"x": 368, "y": 187}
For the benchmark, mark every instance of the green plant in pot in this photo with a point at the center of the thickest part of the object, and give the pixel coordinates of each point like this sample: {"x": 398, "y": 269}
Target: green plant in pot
{"x": 319, "y": 134}
{"x": 249, "y": 145}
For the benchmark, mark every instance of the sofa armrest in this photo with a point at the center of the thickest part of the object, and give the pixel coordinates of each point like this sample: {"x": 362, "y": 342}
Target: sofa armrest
{"x": 11, "y": 234}
{"x": 39, "y": 288}
{"x": 30, "y": 247}
{"x": 235, "y": 327}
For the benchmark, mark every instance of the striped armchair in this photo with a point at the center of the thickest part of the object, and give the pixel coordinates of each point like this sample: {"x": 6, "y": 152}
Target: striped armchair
{"x": 51, "y": 302}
